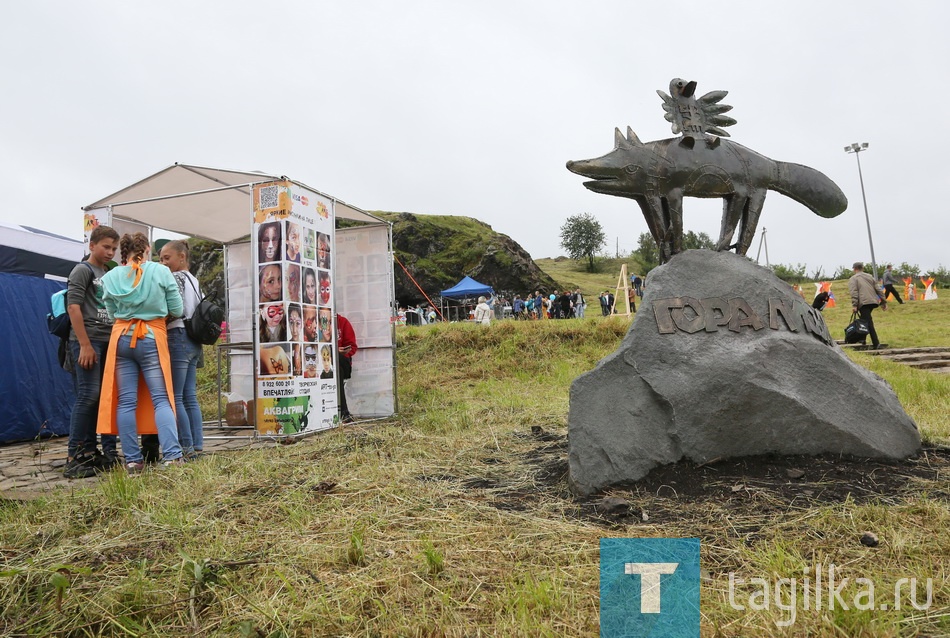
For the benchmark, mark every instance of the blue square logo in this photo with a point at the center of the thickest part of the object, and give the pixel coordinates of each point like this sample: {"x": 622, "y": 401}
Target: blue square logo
{"x": 649, "y": 587}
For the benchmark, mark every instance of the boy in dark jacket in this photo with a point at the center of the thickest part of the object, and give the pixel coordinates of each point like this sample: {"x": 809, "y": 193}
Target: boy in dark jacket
{"x": 88, "y": 341}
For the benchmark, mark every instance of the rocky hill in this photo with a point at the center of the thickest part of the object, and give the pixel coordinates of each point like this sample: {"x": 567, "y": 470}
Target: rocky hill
{"x": 207, "y": 264}
{"x": 438, "y": 250}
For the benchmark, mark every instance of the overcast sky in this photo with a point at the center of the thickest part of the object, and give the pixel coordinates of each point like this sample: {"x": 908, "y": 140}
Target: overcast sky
{"x": 474, "y": 108}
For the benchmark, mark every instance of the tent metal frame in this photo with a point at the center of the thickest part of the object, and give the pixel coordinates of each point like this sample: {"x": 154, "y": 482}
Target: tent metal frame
{"x": 246, "y": 189}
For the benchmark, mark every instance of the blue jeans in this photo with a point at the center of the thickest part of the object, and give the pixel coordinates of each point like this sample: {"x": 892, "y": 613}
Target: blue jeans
{"x": 129, "y": 363}
{"x": 184, "y": 354}
{"x": 85, "y": 414}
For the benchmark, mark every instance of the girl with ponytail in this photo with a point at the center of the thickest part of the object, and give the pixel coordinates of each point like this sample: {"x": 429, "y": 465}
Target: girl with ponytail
{"x": 139, "y": 295}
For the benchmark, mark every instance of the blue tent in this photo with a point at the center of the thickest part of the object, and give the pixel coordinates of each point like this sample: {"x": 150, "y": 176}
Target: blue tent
{"x": 36, "y": 395}
{"x": 468, "y": 287}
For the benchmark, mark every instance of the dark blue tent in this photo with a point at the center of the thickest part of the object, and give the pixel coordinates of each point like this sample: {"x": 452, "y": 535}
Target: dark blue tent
{"x": 36, "y": 394}
{"x": 468, "y": 287}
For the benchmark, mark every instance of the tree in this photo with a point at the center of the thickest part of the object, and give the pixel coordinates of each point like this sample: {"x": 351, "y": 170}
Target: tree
{"x": 648, "y": 256}
{"x": 843, "y": 272}
{"x": 582, "y": 236}
{"x": 907, "y": 270}
{"x": 789, "y": 273}
{"x": 646, "y": 253}
{"x": 695, "y": 241}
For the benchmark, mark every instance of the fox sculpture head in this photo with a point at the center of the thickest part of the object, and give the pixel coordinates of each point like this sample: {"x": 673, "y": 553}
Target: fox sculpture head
{"x": 620, "y": 172}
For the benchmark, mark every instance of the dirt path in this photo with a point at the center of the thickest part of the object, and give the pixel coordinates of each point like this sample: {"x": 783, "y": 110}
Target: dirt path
{"x": 33, "y": 468}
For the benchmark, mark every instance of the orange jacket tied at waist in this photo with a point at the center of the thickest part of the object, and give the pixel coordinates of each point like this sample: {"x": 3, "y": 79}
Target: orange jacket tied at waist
{"x": 109, "y": 396}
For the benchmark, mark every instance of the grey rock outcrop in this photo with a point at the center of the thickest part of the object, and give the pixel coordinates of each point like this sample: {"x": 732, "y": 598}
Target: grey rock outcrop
{"x": 725, "y": 360}
{"x": 438, "y": 250}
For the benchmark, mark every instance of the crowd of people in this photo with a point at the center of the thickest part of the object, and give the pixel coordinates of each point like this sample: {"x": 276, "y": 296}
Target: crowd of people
{"x": 134, "y": 364}
{"x": 135, "y": 368}
{"x": 567, "y": 304}
{"x": 564, "y": 305}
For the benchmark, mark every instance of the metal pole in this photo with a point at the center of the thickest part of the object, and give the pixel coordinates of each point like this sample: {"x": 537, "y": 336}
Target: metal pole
{"x": 867, "y": 219}
{"x": 856, "y": 149}
{"x": 763, "y": 242}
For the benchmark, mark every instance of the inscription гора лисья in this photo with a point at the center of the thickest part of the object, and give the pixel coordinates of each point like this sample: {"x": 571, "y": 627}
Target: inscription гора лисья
{"x": 688, "y": 314}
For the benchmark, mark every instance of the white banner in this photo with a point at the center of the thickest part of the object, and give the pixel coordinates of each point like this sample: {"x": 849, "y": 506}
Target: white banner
{"x": 365, "y": 264}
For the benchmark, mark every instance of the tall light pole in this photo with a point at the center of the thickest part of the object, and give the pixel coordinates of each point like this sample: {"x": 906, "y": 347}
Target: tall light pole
{"x": 856, "y": 149}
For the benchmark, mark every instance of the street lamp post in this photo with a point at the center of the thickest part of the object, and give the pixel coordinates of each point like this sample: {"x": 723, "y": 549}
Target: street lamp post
{"x": 856, "y": 149}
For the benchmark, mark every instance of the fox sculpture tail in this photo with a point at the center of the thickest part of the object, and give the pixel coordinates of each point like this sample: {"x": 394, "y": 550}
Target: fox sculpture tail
{"x": 810, "y": 188}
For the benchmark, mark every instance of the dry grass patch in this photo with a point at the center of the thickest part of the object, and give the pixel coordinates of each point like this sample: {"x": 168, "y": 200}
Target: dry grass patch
{"x": 454, "y": 519}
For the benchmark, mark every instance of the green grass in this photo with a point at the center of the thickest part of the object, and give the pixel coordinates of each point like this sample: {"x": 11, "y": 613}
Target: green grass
{"x": 571, "y": 274}
{"x": 450, "y": 519}
{"x": 913, "y": 324}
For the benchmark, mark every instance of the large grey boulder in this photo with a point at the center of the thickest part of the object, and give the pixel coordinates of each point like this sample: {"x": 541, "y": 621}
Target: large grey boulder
{"x": 725, "y": 360}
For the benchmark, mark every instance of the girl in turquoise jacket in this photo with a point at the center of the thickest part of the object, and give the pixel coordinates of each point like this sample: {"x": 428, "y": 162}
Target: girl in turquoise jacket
{"x": 139, "y": 295}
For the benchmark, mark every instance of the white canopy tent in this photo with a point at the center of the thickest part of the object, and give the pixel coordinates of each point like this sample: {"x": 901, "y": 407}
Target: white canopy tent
{"x": 216, "y": 205}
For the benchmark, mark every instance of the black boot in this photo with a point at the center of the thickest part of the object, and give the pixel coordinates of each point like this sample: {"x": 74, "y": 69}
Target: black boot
{"x": 150, "y": 449}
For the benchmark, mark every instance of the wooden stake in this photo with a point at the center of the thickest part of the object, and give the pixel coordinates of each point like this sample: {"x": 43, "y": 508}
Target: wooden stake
{"x": 623, "y": 283}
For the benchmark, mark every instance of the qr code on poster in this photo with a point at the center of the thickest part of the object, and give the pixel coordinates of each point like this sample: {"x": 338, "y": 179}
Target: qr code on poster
{"x": 269, "y": 197}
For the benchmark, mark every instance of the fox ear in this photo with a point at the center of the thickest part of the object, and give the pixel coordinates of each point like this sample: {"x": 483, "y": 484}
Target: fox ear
{"x": 632, "y": 137}
{"x": 625, "y": 142}
{"x": 619, "y": 141}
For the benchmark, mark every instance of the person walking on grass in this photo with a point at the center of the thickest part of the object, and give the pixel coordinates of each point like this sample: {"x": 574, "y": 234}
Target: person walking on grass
{"x": 139, "y": 295}
{"x": 483, "y": 312}
{"x": 889, "y": 282}
{"x": 866, "y": 295}
{"x": 88, "y": 343}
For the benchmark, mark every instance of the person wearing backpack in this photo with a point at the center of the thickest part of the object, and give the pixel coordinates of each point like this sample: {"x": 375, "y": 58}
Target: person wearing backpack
{"x": 88, "y": 343}
{"x": 185, "y": 353}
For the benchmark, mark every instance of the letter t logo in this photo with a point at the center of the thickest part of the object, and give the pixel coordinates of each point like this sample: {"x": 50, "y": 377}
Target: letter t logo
{"x": 649, "y": 583}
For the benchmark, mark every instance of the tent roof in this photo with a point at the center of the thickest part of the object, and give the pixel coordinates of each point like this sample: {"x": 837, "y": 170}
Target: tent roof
{"x": 28, "y": 251}
{"x": 468, "y": 287}
{"x": 217, "y": 205}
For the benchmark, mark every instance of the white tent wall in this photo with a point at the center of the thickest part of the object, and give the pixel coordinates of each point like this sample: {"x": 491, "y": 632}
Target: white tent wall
{"x": 216, "y": 204}
{"x": 364, "y": 264}
{"x": 239, "y": 353}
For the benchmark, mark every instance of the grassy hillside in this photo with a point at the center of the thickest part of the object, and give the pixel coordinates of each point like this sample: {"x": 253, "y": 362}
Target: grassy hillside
{"x": 569, "y": 273}
{"x": 454, "y": 519}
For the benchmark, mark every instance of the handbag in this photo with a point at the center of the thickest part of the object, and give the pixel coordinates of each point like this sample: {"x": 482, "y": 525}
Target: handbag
{"x": 857, "y": 330}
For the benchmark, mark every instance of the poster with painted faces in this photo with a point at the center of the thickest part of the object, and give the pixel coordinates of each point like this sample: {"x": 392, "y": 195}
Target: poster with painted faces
{"x": 295, "y": 341}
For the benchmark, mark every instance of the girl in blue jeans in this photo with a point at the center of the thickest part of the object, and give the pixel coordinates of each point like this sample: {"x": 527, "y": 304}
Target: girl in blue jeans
{"x": 139, "y": 295}
{"x": 185, "y": 353}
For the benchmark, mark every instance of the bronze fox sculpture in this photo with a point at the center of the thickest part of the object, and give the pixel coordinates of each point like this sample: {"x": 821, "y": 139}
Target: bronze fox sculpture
{"x": 657, "y": 175}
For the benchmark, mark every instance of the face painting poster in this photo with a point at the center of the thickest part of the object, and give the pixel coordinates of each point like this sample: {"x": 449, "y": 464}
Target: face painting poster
{"x": 294, "y": 340}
